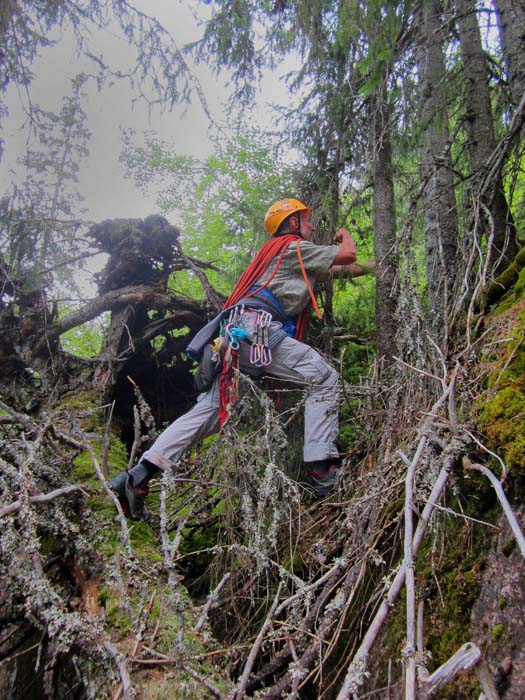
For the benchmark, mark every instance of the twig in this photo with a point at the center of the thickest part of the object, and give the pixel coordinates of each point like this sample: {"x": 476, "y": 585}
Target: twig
{"x": 334, "y": 613}
{"x": 486, "y": 682}
{"x": 420, "y": 622}
{"x": 448, "y": 510}
{"x": 41, "y": 498}
{"x": 136, "y": 437}
{"x": 504, "y": 469}
{"x": 120, "y": 662}
{"x": 240, "y": 691}
{"x": 212, "y": 599}
{"x": 19, "y": 417}
{"x": 105, "y": 442}
{"x": 204, "y": 681}
{"x": 120, "y": 513}
{"x": 510, "y": 358}
{"x": 357, "y": 669}
{"x": 297, "y": 679}
{"x": 138, "y": 640}
{"x": 410, "y": 647}
{"x": 496, "y": 483}
{"x": 339, "y": 564}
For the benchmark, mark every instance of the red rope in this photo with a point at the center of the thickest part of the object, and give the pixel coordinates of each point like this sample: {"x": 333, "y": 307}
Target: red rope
{"x": 258, "y": 266}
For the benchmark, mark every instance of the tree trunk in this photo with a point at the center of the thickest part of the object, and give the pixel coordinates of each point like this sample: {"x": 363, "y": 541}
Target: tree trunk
{"x": 481, "y": 138}
{"x": 511, "y": 21}
{"x": 440, "y": 216}
{"x": 385, "y": 242}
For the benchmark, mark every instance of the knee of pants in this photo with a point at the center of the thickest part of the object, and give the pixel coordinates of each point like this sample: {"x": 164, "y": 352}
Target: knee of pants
{"x": 327, "y": 380}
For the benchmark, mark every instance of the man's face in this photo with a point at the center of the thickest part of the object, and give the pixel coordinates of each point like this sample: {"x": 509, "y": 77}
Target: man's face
{"x": 307, "y": 228}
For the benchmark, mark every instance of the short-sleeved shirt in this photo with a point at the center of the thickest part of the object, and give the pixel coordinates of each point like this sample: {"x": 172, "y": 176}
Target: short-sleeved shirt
{"x": 288, "y": 284}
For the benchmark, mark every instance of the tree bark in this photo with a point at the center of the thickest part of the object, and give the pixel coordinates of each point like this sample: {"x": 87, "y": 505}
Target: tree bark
{"x": 440, "y": 216}
{"x": 511, "y": 21}
{"x": 481, "y": 138}
{"x": 385, "y": 241}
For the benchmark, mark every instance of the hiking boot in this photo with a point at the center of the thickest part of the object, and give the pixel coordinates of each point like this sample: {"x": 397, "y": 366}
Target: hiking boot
{"x": 322, "y": 476}
{"x": 130, "y": 497}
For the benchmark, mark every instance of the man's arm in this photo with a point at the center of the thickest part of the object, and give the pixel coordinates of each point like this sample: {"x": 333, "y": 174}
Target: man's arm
{"x": 353, "y": 270}
{"x": 347, "y": 252}
{"x": 344, "y": 264}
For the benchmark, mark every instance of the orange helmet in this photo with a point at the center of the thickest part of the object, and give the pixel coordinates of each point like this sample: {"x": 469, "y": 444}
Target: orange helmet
{"x": 278, "y": 212}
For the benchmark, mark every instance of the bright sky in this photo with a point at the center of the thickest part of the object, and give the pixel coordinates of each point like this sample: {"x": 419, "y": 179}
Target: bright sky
{"x": 107, "y": 194}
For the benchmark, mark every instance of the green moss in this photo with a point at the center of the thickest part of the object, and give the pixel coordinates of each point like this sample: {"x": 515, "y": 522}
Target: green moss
{"x": 452, "y": 583}
{"x": 519, "y": 287}
{"x": 497, "y": 631}
{"x": 509, "y": 283}
{"x": 294, "y": 564}
{"x": 502, "y": 419}
{"x": 395, "y": 506}
{"x": 116, "y": 617}
{"x": 178, "y": 685}
{"x": 84, "y": 469}
{"x": 502, "y": 602}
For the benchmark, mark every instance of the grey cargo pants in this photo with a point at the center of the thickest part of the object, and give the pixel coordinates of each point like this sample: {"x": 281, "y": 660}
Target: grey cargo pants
{"x": 291, "y": 361}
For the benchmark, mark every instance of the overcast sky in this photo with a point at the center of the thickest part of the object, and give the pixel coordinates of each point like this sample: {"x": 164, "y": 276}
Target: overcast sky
{"x": 106, "y": 193}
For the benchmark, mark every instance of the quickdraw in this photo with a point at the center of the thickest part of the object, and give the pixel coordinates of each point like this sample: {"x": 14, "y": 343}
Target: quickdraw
{"x": 231, "y": 333}
{"x": 260, "y": 352}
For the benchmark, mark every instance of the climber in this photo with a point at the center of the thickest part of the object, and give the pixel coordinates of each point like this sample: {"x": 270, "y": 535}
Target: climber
{"x": 259, "y": 331}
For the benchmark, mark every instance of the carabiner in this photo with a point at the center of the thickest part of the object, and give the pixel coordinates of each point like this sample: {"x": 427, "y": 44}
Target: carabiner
{"x": 255, "y": 354}
{"x": 231, "y": 340}
{"x": 266, "y": 356}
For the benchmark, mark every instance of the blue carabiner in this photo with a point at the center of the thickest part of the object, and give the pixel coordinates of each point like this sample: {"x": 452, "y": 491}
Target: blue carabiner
{"x": 235, "y": 334}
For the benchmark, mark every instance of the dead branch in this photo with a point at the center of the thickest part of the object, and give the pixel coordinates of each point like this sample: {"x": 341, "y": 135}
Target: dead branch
{"x": 498, "y": 488}
{"x": 120, "y": 662}
{"x": 356, "y": 673}
{"x": 486, "y": 682}
{"x": 211, "y": 601}
{"x": 16, "y": 417}
{"x": 333, "y": 614}
{"x": 239, "y": 692}
{"x": 215, "y": 299}
{"x": 280, "y": 659}
{"x": 105, "y": 442}
{"x": 410, "y": 648}
{"x": 187, "y": 309}
{"x": 138, "y": 640}
{"x": 42, "y": 498}
{"x": 350, "y": 339}
{"x": 465, "y": 658}
{"x": 204, "y": 681}
{"x": 126, "y": 541}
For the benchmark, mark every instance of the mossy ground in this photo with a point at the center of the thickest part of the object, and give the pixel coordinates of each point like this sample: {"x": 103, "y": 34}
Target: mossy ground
{"x": 449, "y": 568}
{"x": 499, "y": 409}
{"x": 451, "y": 562}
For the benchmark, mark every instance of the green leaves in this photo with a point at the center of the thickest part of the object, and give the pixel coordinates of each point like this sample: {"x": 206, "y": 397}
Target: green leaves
{"x": 218, "y": 202}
